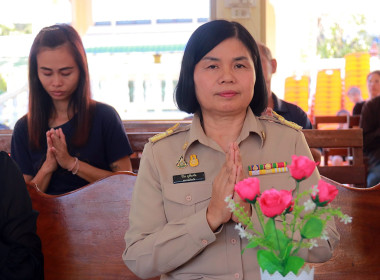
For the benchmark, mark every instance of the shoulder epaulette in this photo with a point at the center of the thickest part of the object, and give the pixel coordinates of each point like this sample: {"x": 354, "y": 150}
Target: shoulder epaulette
{"x": 164, "y": 134}
{"x": 280, "y": 119}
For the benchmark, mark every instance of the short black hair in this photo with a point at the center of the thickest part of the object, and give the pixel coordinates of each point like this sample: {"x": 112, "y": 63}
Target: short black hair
{"x": 203, "y": 40}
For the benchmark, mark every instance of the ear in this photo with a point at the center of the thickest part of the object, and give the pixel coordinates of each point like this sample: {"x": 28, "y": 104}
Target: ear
{"x": 273, "y": 63}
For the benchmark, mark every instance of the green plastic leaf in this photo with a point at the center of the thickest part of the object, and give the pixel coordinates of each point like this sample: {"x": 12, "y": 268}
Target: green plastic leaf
{"x": 293, "y": 264}
{"x": 268, "y": 261}
{"x": 312, "y": 229}
{"x": 275, "y": 237}
{"x": 252, "y": 244}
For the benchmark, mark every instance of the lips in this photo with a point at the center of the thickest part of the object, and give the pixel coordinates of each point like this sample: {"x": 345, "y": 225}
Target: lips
{"x": 228, "y": 93}
{"x": 57, "y": 93}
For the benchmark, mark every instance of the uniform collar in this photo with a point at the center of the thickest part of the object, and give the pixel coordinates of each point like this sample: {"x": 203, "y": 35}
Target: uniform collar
{"x": 251, "y": 125}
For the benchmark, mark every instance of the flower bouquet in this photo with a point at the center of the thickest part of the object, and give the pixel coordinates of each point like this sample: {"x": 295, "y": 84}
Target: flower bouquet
{"x": 278, "y": 249}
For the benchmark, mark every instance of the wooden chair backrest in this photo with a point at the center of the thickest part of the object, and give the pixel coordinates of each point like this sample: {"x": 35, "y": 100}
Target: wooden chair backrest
{"x": 152, "y": 125}
{"x": 351, "y": 121}
{"x": 318, "y": 120}
{"x": 357, "y": 254}
{"x": 82, "y": 232}
{"x": 5, "y": 140}
{"x": 354, "y": 173}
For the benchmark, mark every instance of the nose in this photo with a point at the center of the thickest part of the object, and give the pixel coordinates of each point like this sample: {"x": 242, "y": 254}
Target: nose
{"x": 56, "y": 80}
{"x": 227, "y": 76}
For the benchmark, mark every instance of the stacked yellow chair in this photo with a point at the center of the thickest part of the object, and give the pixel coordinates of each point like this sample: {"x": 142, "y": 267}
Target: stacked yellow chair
{"x": 357, "y": 67}
{"x": 297, "y": 91}
{"x": 328, "y": 94}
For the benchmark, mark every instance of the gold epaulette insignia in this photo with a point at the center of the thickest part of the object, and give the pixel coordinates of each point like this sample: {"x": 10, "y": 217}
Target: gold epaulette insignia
{"x": 285, "y": 122}
{"x": 164, "y": 134}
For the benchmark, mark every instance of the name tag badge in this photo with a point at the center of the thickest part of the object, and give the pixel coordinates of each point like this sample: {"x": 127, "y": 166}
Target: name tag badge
{"x": 191, "y": 177}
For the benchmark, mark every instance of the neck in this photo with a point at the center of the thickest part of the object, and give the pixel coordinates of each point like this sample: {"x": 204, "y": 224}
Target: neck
{"x": 270, "y": 100}
{"x": 223, "y": 129}
{"x": 60, "y": 115}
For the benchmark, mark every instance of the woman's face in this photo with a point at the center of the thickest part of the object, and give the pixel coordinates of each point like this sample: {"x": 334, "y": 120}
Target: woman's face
{"x": 58, "y": 72}
{"x": 373, "y": 84}
{"x": 224, "y": 79}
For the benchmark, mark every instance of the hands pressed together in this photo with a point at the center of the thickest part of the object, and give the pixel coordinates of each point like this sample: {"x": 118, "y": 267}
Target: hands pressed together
{"x": 57, "y": 153}
{"x": 223, "y": 186}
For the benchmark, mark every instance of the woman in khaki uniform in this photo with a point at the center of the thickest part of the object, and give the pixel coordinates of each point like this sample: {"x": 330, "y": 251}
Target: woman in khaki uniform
{"x": 180, "y": 227}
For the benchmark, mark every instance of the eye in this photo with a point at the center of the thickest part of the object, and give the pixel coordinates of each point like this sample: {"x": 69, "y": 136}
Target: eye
{"x": 66, "y": 73}
{"x": 46, "y": 73}
{"x": 212, "y": 66}
{"x": 239, "y": 66}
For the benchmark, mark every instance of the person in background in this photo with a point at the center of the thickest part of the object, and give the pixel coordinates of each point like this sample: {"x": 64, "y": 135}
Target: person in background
{"x": 373, "y": 85}
{"x": 66, "y": 140}
{"x": 355, "y": 96}
{"x": 180, "y": 226}
{"x": 370, "y": 123}
{"x": 289, "y": 111}
{"x": 20, "y": 247}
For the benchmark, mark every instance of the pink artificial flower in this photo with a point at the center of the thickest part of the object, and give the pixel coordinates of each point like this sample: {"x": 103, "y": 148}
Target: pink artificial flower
{"x": 274, "y": 202}
{"x": 248, "y": 188}
{"x": 325, "y": 194}
{"x": 302, "y": 167}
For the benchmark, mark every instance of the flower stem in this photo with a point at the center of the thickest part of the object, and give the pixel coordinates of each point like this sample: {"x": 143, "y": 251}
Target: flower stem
{"x": 259, "y": 217}
{"x": 275, "y": 230}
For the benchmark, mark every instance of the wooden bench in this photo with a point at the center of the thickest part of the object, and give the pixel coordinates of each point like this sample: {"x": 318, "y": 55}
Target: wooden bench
{"x": 357, "y": 254}
{"x": 82, "y": 232}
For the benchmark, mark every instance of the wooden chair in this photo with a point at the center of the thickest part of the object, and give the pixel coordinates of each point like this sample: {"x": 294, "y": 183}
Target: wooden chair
{"x": 82, "y": 232}
{"x": 357, "y": 254}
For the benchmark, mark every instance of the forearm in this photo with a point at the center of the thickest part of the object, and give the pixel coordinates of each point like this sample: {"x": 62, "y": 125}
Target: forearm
{"x": 89, "y": 172}
{"x": 41, "y": 180}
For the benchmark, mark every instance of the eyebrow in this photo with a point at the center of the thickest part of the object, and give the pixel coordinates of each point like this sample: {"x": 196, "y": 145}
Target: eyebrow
{"x": 217, "y": 59}
{"x": 61, "y": 69}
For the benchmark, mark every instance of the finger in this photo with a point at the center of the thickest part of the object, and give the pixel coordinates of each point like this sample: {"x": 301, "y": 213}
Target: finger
{"x": 62, "y": 136}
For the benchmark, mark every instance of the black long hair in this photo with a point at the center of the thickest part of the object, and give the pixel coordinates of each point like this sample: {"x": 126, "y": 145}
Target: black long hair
{"x": 202, "y": 41}
{"x": 41, "y": 105}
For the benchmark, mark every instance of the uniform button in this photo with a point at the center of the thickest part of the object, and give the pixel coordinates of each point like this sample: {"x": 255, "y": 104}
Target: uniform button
{"x": 237, "y": 275}
{"x": 233, "y": 241}
{"x": 204, "y": 242}
{"x": 188, "y": 197}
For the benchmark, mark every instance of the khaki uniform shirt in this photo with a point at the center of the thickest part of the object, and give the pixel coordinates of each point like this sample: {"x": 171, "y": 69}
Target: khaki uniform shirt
{"x": 169, "y": 234}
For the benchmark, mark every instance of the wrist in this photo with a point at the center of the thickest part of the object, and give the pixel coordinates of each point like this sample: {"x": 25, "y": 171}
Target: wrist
{"x": 74, "y": 166}
{"x": 212, "y": 222}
